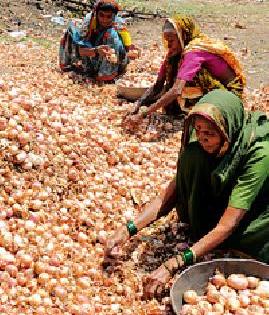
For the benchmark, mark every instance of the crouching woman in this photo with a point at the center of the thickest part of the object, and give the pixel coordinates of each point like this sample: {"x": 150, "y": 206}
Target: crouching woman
{"x": 221, "y": 189}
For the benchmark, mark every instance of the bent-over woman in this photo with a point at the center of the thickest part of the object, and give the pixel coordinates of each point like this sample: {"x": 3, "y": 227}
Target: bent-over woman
{"x": 221, "y": 188}
{"x": 194, "y": 65}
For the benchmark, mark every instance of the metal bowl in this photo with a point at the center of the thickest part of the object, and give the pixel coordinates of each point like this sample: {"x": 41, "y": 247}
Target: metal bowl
{"x": 196, "y": 277}
{"x": 130, "y": 93}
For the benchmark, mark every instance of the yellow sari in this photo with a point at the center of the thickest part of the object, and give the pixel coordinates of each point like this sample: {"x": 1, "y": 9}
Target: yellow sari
{"x": 191, "y": 39}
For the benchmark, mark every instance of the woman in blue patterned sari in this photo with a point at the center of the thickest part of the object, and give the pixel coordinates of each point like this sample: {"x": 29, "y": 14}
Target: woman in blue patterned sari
{"x": 99, "y": 47}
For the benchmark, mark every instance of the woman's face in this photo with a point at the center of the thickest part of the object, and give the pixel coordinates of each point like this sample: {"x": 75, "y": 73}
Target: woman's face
{"x": 173, "y": 43}
{"x": 105, "y": 18}
{"x": 207, "y": 135}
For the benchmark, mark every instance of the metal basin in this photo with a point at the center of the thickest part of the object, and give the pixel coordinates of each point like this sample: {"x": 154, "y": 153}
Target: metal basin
{"x": 196, "y": 277}
{"x": 130, "y": 93}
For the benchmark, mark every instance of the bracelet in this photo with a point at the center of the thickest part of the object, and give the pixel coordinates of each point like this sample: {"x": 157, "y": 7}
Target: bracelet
{"x": 96, "y": 52}
{"x": 179, "y": 260}
{"x": 188, "y": 256}
{"x": 144, "y": 113}
{"x": 170, "y": 271}
{"x": 194, "y": 256}
{"x": 132, "y": 229}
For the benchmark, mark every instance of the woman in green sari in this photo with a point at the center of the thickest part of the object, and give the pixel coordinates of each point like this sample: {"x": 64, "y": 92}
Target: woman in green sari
{"x": 221, "y": 189}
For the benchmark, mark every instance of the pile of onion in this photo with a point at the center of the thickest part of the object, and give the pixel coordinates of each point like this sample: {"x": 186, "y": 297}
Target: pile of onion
{"x": 236, "y": 294}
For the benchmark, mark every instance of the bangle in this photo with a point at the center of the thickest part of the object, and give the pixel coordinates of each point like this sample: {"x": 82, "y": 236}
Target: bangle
{"x": 194, "y": 255}
{"x": 188, "y": 256}
{"x": 132, "y": 229}
{"x": 168, "y": 269}
{"x": 144, "y": 113}
{"x": 179, "y": 260}
{"x": 96, "y": 52}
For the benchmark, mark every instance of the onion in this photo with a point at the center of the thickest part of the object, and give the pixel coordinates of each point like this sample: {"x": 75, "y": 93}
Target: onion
{"x": 219, "y": 308}
{"x": 255, "y": 309}
{"x": 253, "y": 282}
{"x": 227, "y": 292}
{"x": 232, "y": 304}
{"x": 237, "y": 281}
{"x": 205, "y": 306}
{"x": 241, "y": 311}
{"x": 35, "y": 299}
{"x": 218, "y": 280}
{"x": 213, "y": 295}
{"x": 263, "y": 289}
{"x": 60, "y": 292}
{"x": 190, "y": 297}
{"x": 244, "y": 300}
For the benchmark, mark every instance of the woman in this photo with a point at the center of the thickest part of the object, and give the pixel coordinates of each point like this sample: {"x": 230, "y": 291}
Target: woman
{"x": 99, "y": 47}
{"x": 194, "y": 65}
{"x": 221, "y": 189}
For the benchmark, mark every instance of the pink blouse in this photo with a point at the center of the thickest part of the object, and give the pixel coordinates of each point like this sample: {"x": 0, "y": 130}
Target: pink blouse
{"x": 192, "y": 63}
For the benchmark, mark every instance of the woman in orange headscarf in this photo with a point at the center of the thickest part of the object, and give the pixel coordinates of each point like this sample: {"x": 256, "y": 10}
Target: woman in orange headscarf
{"x": 194, "y": 65}
{"x": 99, "y": 47}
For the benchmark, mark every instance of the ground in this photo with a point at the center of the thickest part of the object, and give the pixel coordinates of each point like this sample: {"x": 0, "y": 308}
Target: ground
{"x": 242, "y": 24}
{"x": 70, "y": 173}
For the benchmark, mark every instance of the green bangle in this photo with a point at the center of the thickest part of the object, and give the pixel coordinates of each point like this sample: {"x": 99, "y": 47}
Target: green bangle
{"x": 188, "y": 256}
{"x": 144, "y": 113}
{"x": 132, "y": 229}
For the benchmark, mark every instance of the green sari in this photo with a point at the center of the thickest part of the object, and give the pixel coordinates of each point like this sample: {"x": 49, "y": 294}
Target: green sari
{"x": 237, "y": 177}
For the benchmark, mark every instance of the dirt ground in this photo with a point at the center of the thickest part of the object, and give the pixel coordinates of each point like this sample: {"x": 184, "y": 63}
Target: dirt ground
{"x": 242, "y": 24}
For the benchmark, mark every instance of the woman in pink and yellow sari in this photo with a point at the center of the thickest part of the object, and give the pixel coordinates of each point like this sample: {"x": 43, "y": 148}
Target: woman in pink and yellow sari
{"x": 194, "y": 65}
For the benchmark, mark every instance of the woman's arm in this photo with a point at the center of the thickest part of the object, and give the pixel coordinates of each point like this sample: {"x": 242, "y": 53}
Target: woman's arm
{"x": 150, "y": 93}
{"x": 160, "y": 206}
{"x": 164, "y": 101}
{"x": 149, "y": 96}
{"x": 227, "y": 224}
{"x": 223, "y": 230}
{"x": 168, "y": 97}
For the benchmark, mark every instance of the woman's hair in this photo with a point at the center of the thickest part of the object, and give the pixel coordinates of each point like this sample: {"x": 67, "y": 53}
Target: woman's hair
{"x": 107, "y": 5}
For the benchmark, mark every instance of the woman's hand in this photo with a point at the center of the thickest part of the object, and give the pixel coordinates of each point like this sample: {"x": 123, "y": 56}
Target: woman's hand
{"x": 86, "y": 52}
{"x": 133, "y": 119}
{"x": 113, "y": 244}
{"x": 132, "y": 112}
{"x": 155, "y": 282}
{"x": 135, "y": 109}
{"x": 105, "y": 51}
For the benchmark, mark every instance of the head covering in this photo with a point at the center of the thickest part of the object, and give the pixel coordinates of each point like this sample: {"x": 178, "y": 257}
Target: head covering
{"x": 168, "y": 26}
{"x": 193, "y": 39}
{"x": 185, "y": 26}
{"x": 107, "y": 5}
{"x": 240, "y": 130}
